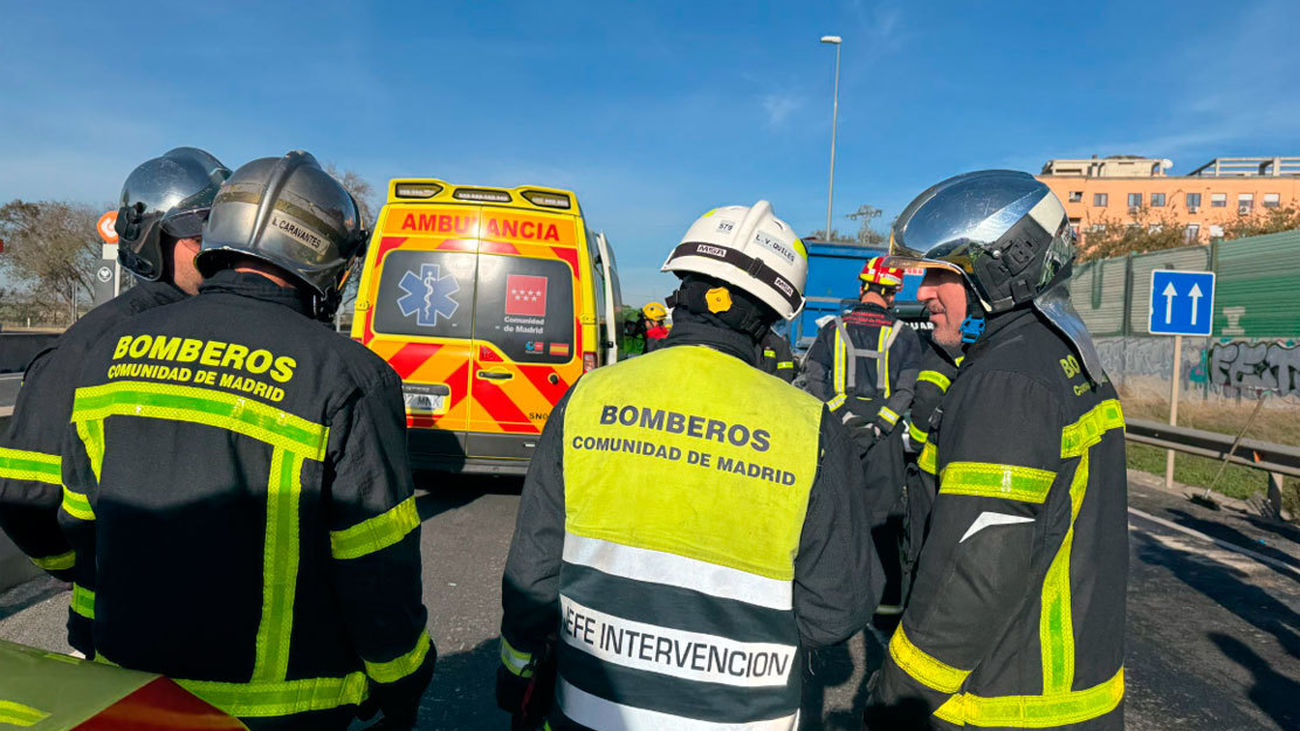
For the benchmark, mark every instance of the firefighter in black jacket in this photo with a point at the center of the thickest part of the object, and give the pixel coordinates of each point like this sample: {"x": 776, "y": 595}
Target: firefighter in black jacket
{"x": 775, "y": 356}
{"x": 1016, "y": 619}
{"x": 237, "y": 486}
{"x": 682, "y": 542}
{"x": 864, "y": 366}
{"x": 163, "y": 205}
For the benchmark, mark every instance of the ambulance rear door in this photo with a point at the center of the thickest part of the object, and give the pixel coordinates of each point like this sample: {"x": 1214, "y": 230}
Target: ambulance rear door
{"x": 525, "y": 327}
{"x": 422, "y": 317}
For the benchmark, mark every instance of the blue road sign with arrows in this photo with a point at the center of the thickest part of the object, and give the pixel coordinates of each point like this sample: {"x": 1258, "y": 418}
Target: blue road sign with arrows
{"x": 1181, "y": 302}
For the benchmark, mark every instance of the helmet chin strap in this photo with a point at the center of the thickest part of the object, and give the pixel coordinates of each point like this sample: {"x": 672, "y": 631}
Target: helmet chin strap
{"x": 972, "y": 327}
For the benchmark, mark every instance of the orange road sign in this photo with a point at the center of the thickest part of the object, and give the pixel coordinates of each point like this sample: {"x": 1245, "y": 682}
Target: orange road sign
{"x": 105, "y": 227}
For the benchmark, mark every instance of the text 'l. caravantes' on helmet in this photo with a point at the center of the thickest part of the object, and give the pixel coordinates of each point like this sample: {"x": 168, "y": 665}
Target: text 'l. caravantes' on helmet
{"x": 289, "y": 212}
{"x": 170, "y": 194}
{"x": 749, "y": 248}
{"x": 1008, "y": 236}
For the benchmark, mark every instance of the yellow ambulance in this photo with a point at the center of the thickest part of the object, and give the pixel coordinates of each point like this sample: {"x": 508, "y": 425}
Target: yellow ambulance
{"x": 489, "y": 303}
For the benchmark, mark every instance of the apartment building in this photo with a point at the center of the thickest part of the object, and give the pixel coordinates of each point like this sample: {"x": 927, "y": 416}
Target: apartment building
{"x": 1140, "y": 191}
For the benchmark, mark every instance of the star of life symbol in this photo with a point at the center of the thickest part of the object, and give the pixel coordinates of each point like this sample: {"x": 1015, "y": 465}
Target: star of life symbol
{"x": 428, "y": 295}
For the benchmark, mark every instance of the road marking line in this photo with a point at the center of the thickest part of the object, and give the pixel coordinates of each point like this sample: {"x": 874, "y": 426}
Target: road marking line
{"x": 10, "y": 376}
{"x": 1294, "y": 571}
{"x": 6, "y": 411}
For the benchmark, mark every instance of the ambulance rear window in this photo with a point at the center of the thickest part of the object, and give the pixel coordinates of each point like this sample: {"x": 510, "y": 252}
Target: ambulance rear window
{"x": 426, "y": 293}
{"x": 525, "y": 308}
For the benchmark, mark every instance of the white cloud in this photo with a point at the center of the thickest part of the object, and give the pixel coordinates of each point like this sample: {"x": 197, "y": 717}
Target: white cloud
{"x": 779, "y": 107}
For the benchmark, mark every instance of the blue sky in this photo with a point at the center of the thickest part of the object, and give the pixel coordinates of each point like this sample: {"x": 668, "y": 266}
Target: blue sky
{"x": 652, "y": 112}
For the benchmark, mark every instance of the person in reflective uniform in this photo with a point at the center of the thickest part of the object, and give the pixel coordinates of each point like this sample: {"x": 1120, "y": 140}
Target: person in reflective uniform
{"x": 238, "y": 492}
{"x": 864, "y": 366}
{"x": 164, "y": 203}
{"x": 1016, "y": 617}
{"x": 776, "y": 357}
{"x": 683, "y": 542}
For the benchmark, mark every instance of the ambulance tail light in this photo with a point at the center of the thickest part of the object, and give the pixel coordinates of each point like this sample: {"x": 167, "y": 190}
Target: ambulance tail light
{"x": 416, "y": 190}
{"x": 588, "y": 362}
{"x": 548, "y": 200}
{"x": 482, "y": 195}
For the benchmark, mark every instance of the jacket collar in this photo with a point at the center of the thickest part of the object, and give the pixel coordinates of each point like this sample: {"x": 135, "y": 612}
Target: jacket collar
{"x": 258, "y": 287}
{"x": 704, "y": 329}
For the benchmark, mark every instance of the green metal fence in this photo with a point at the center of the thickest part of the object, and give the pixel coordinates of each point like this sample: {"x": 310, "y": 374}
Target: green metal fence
{"x": 1257, "y": 288}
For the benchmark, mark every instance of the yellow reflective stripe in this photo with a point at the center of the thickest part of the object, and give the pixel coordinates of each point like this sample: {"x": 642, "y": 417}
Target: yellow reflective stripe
{"x": 1056, "y": 622}
{"x": 83, "y": 601}
{"x": 784, "y": 364}
{"x": 929, "y": 457}
{"x": 19, "y": 464}
{"x": 888, "y": 415}
{"x": 918, "y": 435}
{"x": 1007, "y": 481}
{"x": 239, "y": 414}
{"x": 881, "y": 338}
{"x": 836, "y": 402}
{"x": 519, "y": 663}
{"x": 403, "y": 665}
{"x": 77, "y": 505}
{"x": 936, "y": 378}
{"x": 769, "y": 353}
{"x": 376, "y": 533}
{"x": 839, "y": 378}
{"x": 92, "y": 436}
{"x": 17, "y": 714}
{"x": 60, "y": 562}
{"x": 1035, "y": 711}
{"x": 259, "y": 700}
{"x": 925, "y": 669}
{"x": 279, "y": 567}
{"x": 1079, "y": 437}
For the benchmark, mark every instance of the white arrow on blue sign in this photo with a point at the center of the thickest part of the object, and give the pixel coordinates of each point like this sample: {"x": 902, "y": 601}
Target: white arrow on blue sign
{"x": 1181, "y": 302}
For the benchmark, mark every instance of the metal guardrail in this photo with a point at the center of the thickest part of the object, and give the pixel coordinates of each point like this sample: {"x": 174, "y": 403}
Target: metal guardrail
{"x": 1275, "y": 458}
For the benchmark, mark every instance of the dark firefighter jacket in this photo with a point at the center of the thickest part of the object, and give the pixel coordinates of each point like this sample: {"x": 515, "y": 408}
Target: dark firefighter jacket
{"x": 238, "y": 494}
{"x": 30, "y": 458}
{"x": 1016, "y": 618}
{"x": 842, "y": 380}
{"x": 686, "y": 539}
{"x": 776, "y": 357}
{"x": 937, "y": 370}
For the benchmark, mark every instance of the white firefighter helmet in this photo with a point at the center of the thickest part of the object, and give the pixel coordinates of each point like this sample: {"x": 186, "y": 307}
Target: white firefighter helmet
{"x": 749, "y": 248}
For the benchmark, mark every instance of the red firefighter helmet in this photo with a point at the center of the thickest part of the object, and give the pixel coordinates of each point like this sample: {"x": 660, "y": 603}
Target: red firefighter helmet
{"x": 877, "y": 271}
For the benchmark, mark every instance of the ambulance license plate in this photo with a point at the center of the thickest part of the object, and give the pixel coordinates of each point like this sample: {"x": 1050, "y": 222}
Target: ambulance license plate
{"x": 424, "y": 399}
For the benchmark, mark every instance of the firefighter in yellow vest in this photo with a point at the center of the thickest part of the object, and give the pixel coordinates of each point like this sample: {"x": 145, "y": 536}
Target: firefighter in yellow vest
{"x": 683, "y": 541}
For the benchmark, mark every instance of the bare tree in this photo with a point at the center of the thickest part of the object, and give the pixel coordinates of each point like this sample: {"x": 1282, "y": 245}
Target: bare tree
{"x": 52, "y": 249}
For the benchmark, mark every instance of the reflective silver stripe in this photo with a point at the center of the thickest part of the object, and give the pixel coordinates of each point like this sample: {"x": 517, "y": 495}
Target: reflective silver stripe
{"x": 658, "y": 567}
{"x": 595, "y": 712}
{"x": 677, "y": 653}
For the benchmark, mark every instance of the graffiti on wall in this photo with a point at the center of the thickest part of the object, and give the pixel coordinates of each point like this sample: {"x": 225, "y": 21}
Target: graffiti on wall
{"x": 1269, "y": 366}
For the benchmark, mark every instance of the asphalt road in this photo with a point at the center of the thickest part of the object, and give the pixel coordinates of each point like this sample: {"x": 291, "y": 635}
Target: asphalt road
{"x": 1213, "y": 635}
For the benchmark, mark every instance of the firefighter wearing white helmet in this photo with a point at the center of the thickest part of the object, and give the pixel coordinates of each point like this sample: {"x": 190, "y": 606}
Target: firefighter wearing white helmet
{"x": 688, "y": 497}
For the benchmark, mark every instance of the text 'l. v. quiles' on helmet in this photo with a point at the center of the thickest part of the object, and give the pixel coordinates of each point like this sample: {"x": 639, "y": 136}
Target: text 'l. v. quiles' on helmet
{"x": 170, "y": 194}
{"x": 749, "y": 248}
{"x": 1007, "y": 234}
{"x": 291, "y": 213}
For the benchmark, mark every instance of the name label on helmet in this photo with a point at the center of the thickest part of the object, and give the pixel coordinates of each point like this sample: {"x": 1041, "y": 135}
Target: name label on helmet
{"x": 768, "y": 242}
{"x": 298, "y": 231}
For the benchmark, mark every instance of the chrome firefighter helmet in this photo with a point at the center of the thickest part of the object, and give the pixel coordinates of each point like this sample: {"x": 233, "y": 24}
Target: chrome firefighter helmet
{"x": 750, "y": 248}
{"x": 1008, "y": 236}
{"x": 291, "y": 213}
{"x": 169, "y": 195}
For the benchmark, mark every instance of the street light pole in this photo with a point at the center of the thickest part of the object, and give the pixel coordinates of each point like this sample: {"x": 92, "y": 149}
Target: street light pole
{"x": 835, "y": 113}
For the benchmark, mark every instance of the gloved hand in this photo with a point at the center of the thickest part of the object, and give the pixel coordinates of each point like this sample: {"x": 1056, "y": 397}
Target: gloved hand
{"x": 528, "y": 700}
{"x": 864, "y": 433}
